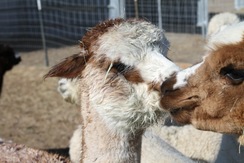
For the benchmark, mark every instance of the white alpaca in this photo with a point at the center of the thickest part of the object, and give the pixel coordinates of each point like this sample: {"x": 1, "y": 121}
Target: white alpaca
{"x": 219, "y": 21}
{"x": 121, "y": 65}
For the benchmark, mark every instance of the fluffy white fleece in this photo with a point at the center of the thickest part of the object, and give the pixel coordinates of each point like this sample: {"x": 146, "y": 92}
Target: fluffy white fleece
{"x": 68, "y": 89}
{"x": 220, "y": 21}
{"x": 75, "y": 145}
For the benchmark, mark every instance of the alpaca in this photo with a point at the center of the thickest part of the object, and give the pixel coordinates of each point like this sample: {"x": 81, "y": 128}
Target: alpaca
{"x": 204, "y": 146}
{"x": 209, "y": 94}
{"x": 120, "y": 68}
{"x": 151, "y": 140}
{"x": 219, "y": 21}
{"x": 8, "y": 59}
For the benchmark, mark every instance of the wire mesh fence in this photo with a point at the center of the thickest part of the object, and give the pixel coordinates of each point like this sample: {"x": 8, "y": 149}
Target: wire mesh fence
{"x": 176, "y": 15}
{"x": 64, "y": 22}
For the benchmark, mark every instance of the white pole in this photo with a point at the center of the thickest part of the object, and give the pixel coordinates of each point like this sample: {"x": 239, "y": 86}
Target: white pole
{"x": 116, "y": 9}
{"x": 39, "y": 7}
{"x": 160, "y": 25}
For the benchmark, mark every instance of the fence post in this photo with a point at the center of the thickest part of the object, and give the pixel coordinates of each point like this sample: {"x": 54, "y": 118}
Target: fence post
{"x": 116, "y": 9}
{"x": 239, "y": 4}
{"x": 39, "y": 7}
{"x": 136, "y": 9}
{"x": 202, "y": 15}
{"x": 159, "y": 15}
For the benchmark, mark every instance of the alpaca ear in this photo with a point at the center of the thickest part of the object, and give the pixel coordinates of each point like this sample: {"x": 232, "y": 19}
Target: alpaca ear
{"x": 70, "y": 67}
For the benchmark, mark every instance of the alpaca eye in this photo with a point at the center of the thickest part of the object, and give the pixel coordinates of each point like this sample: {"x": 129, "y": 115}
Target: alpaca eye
{"x": 120, "y": 67}
{"x": 235, "y": 76}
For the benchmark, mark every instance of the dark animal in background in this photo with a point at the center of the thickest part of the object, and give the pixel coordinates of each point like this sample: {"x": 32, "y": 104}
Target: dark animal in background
{"x": 8, "y": 58}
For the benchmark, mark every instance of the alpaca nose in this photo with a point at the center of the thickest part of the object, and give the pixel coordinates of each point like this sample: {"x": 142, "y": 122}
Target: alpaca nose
{"x": 167, "y": 86}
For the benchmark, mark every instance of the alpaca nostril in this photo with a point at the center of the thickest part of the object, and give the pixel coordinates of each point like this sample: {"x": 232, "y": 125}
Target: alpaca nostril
{"x": 166, "y": 91}
{"x": 167, "y": 86}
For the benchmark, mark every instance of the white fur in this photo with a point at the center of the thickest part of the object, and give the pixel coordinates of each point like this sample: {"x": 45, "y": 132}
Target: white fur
{"x": 224, "y": 37}
{"x": 156, "y": 67}
{"x": 182, "y": 76}
{"x": 219, "y": 21}
{"x": 127, "y": 106}
{"x": 220, "y": 38}
{"x": 75, "y": 151}
{"x": 68, "y": 88}
{"x": 146, "y": 48}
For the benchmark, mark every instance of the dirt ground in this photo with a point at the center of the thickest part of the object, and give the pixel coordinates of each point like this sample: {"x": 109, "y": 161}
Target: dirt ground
{"x": 33, "y": 113}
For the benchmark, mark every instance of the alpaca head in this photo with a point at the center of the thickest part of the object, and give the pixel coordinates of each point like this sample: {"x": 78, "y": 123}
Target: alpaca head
{"x": 122, "y": 64}
{"x": 8, "y": 59}
{"x": 209, "y": 95}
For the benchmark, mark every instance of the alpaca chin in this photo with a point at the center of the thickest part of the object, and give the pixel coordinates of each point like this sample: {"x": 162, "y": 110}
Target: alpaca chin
{"x": 131, "y": 108}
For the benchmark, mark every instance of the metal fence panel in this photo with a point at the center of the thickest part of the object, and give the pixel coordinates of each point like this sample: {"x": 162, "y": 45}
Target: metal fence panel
{"x": 178, "y": 16}
{"x": 239, "y": 4}
{"x": 64, "y": 21}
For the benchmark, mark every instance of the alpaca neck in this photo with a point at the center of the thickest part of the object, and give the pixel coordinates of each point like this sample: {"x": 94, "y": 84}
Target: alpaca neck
{"x": 100, "y": 144}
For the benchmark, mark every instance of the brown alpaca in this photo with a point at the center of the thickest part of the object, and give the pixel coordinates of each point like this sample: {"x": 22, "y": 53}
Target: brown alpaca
{"x": 120, "y": 68}
{"x": 209, "y": 95}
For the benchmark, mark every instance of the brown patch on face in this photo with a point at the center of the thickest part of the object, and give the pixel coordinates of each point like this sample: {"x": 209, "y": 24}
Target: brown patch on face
{"x": 93, "y": 34}
{"x": 130, "y": 73}
{"x": 72, "y": 66}
{"x": 212, "y": 99}
{"x": 154, "y": 86}
{"x": 133, "y": 76}
{"x": 167, "y": 85}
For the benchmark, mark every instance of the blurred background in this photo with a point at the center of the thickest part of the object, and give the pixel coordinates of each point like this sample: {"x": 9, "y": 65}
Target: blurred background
{"x": 45, "y": 31}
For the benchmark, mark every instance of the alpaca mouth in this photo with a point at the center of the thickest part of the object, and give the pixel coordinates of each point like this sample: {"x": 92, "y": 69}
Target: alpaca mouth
{"x": 188, "y": 105}
{"x": 177, "y": 111}
{"x": 182, "y": 115}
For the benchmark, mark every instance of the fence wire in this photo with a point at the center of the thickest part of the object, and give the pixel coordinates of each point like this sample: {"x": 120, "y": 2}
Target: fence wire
{"x": 64, "y": 22}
